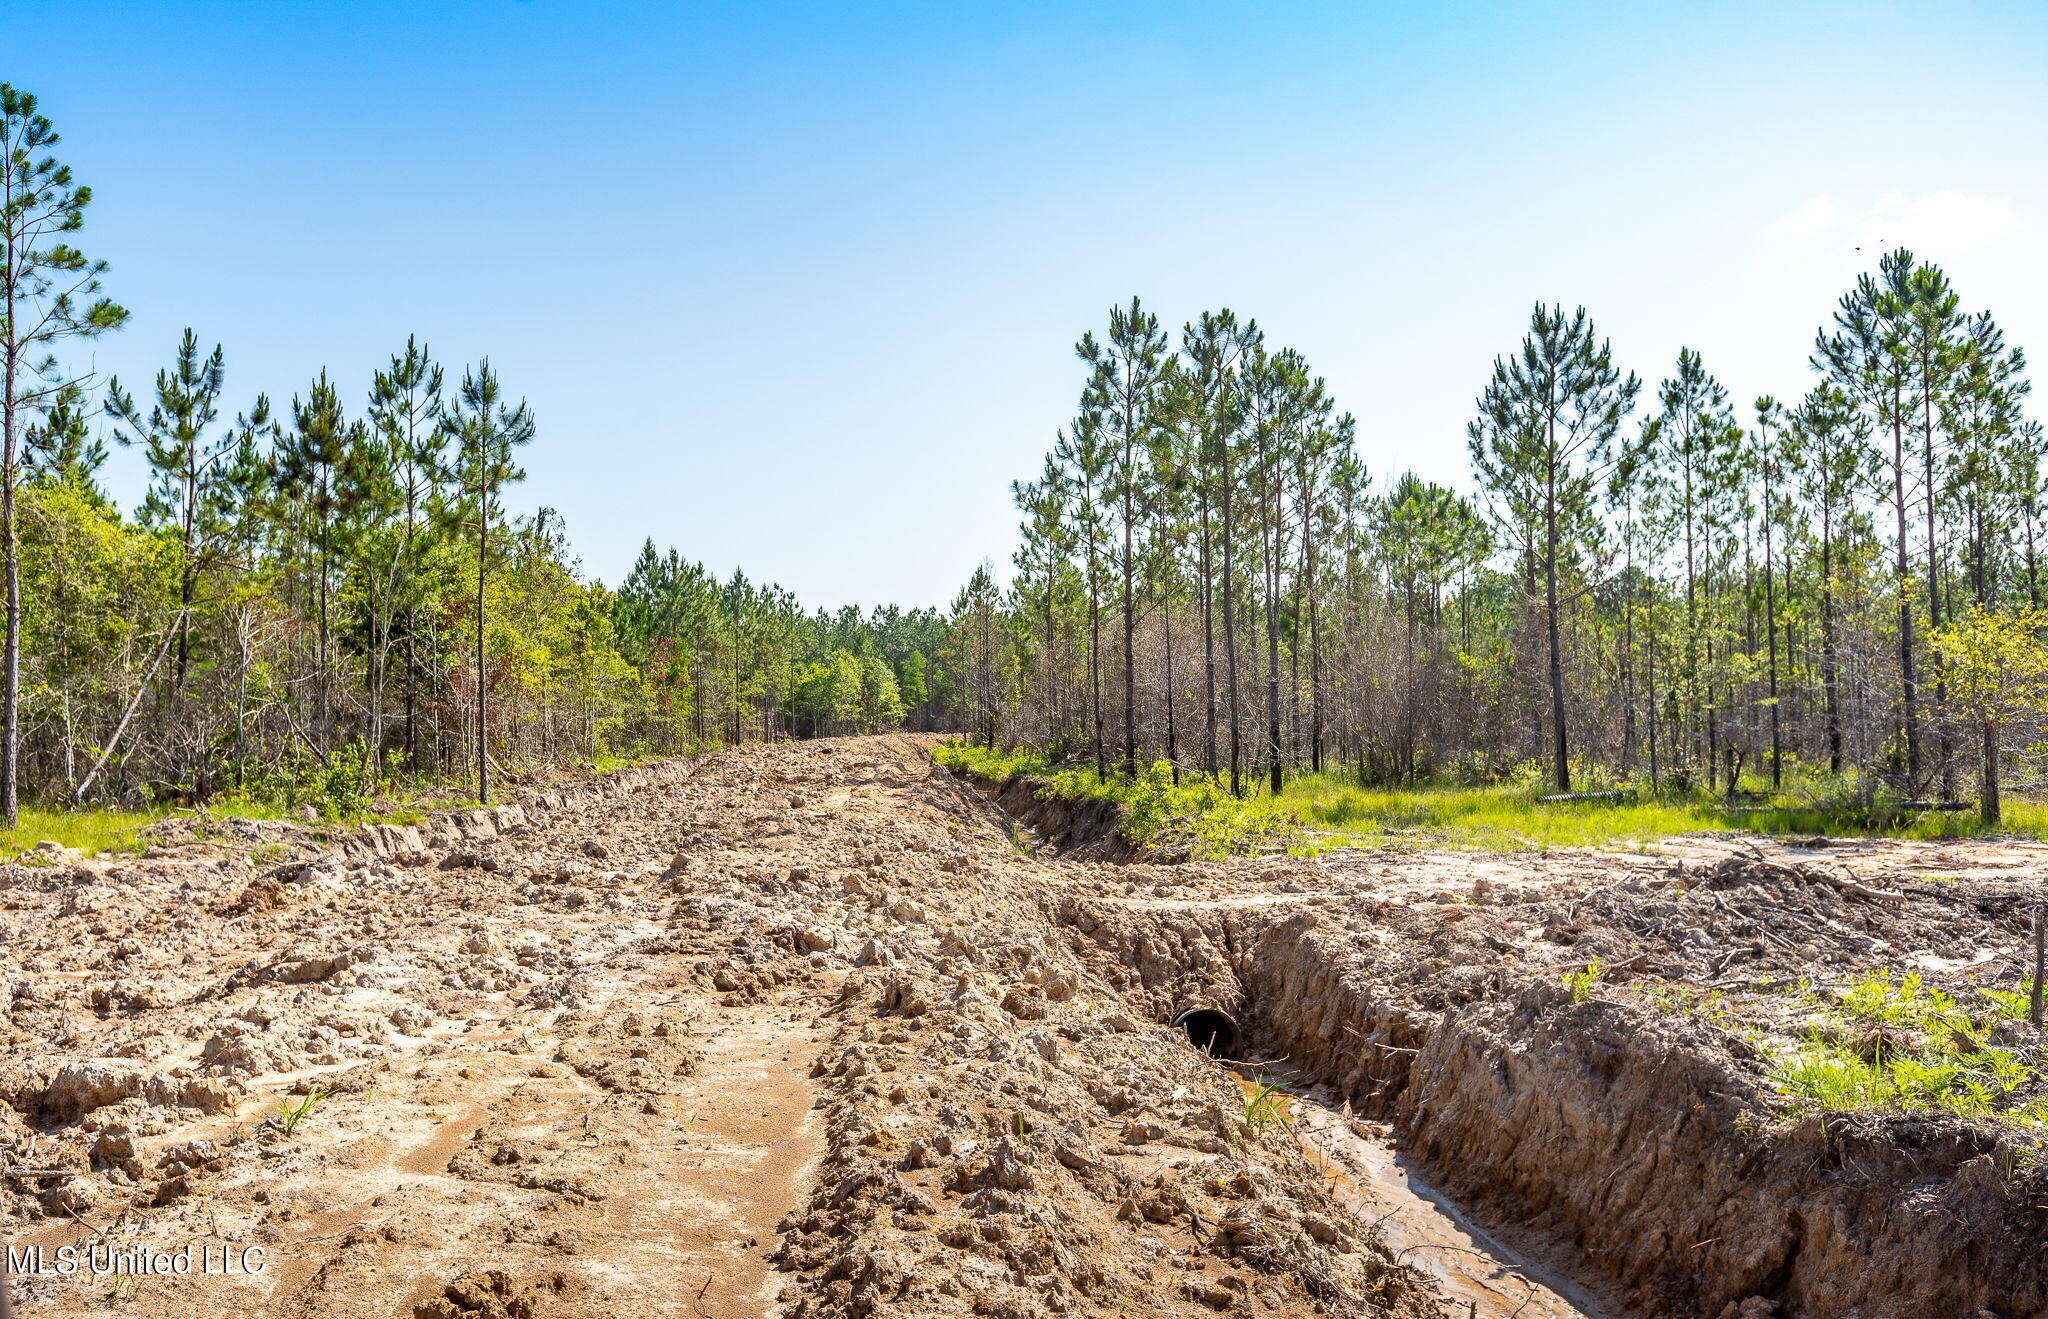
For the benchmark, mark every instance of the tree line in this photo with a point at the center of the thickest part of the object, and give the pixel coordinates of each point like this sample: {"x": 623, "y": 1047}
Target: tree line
{"x": 334, "y": 589}
{"x": 1642, "y": 585}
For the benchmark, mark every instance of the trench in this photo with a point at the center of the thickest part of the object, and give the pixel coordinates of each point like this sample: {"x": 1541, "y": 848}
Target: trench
{"x": 1543, "y": 1156}
{"x": 1085, "y": 828}
{"x": 1628, "y": 1160}
{"x": 1481, "y": 1276}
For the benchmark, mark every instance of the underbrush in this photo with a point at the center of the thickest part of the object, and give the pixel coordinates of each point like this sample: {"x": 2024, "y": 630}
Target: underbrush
{"x": 1896, "y": 1043}
{"x": 1197, "y": 816}
{"x": 349, "y": 788}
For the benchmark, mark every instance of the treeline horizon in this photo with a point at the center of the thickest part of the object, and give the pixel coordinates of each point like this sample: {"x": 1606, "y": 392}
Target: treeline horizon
{"x": 1650, "y": 585}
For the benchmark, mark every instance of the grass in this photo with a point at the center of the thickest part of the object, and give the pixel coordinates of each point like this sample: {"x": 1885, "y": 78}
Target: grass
{"x": 1509, "y": 817}
{"x": 95, "y": 830}
{"x": 90, "y": 829}
{"x": 1197, "y": 814}
{"x": 1266, "y": 1104}
{"x": 1316, "y": 812}
{"x": 1581, "y": 982}
{"x": 289, "y": 1115}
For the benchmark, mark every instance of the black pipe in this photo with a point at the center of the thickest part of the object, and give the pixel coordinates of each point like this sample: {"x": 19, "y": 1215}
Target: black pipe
{"x": 1211, "y": 1030}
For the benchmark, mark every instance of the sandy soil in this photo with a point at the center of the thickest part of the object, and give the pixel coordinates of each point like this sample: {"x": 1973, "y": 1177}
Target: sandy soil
{"x": 808, "y": 1030}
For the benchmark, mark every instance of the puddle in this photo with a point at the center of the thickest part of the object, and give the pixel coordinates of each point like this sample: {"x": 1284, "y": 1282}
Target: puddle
{"x": 1483, "y": 1278}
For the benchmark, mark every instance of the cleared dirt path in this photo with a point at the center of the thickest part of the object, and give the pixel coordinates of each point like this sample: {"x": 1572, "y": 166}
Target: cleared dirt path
{"x": 541, "y": 1101}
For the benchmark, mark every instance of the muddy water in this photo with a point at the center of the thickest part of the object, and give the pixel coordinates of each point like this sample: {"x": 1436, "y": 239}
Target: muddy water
{"x": 1483, "y": 1278}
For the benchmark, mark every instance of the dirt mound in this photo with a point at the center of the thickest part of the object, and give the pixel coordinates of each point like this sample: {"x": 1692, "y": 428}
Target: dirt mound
{"x": 494, "y": 1295}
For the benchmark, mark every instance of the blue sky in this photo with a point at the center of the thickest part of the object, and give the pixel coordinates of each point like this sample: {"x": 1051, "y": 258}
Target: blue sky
{"x": 794, "y": 287}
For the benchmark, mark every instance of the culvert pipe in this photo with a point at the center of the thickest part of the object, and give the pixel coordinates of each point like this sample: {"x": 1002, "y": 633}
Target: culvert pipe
{"x": 1211, "y": 1030}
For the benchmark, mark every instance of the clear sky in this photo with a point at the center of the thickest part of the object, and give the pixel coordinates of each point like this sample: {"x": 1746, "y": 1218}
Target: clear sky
{"x": 794, "y": 287}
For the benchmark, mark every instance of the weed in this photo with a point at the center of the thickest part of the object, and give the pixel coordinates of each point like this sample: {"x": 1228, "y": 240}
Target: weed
{"x": 1508, "y": 816}
{"x": 2016, "y": 1162}
{"x": 2018, "y": 1007}
{"x": 1197, "y": 813}
{"x": 1581, "y": 982}
{"x": 91, "y": 829}
{"x": 1484, "y": 808}
{"x": 289, "y": 1115}
{"x": 1266, "y": 1104}
{"x": 1927, "y": 1053}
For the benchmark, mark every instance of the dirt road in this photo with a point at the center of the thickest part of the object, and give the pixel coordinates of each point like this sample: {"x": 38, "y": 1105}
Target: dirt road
{"x": 811, "y": 1030}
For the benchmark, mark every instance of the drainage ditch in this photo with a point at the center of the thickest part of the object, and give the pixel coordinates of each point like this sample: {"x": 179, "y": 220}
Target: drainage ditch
{"x": 1544, "y": 1154}
{"x": 1482, "y": 1277}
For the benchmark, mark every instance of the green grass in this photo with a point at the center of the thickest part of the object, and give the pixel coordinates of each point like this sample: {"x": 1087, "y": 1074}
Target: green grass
{"x": 90, "y": 829}
{"x": 94, "y": 830}
{"x": 1510, "y": 818}
{"x": 1197, "y": 814}
{"x": 1315, "y": 812}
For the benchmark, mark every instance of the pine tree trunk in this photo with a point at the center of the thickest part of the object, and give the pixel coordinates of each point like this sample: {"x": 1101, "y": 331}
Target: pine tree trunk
{"x": 1095, "y": 665}
{"x": 1315, "y": 646}
{"x": 1275, "y": 774}
{"x": 483, "y": 545}
{"x": 1172, "y": 734}
{"x": 1944, "y": 751}
{"x": 10, "y": 703}
{"x": 1208, "y": 653}
{"x": 1771, "y": 628}
{"x": 1559, "y": 749}
{"x": 1909, "y": 689}
{"x": 1230, "y": 628}
{"x": 1130, "y": 637}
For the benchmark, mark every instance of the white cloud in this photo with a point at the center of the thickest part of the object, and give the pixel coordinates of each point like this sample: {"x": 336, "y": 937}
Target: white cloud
{"x": 1938, "y": 223}
{"x": 1809, "y": 220}
{"x": 1933, "y": 224}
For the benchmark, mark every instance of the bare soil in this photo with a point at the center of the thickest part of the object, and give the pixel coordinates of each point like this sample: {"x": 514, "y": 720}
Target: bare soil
{"x": 816, "y": 1029}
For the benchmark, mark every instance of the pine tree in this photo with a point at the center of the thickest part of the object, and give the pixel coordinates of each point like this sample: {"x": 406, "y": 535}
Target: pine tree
{"x": 62, "y": 448}
{"x": 1867, "y": 359}
{"x": 1830, "y": 443}
{"x": 49, "y": 293}
{"x": 1083, "y": 458}
{"x": 1933, "y": 324}
{"x": 1770, "y": 457}
{"x": 1123, "y": 391}
{"x": 1215, "y": 346}
{"x": 1546, "y": 421}
{"x": 483, "y": 432}
{"x": 976, "y": 608}
{"x": 406, "y": 412}
{"x": 184, "y": 493}
{"x": 314, "y": 459}
{"x": 248, "y": 481}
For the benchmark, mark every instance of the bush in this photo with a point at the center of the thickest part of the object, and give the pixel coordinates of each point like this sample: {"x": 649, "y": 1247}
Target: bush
{"x": 340, "y": 787}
